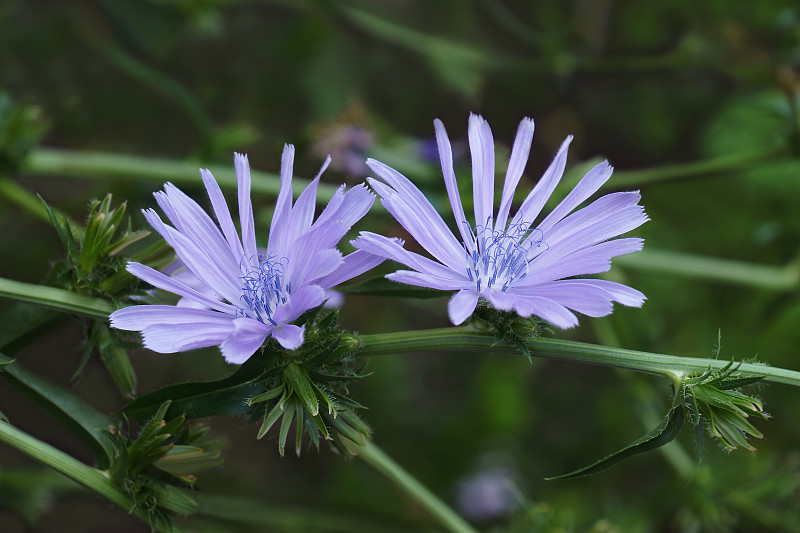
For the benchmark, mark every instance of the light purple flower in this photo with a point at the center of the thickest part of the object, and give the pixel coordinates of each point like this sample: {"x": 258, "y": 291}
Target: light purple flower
{"x": 513, "y": 264}
{"x": 235, "y": 295}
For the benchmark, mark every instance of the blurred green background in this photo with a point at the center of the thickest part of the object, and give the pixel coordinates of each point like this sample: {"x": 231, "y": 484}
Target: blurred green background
{"x": 696, "y": 104}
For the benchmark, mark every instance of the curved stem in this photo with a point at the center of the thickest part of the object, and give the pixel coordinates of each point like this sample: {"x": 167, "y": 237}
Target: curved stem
{"x": 463, "y": 339}
{"x": 384, "y": 464}
{"x": 91, "y": 478}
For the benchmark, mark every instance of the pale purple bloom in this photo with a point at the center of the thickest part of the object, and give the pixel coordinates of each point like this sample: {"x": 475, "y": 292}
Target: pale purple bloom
{"x": 235, "y": 295}
{"x": 513, "y": 264}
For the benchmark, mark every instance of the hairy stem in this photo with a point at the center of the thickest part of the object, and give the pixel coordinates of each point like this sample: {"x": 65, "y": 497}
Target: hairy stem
{"x": 464, "y": 339}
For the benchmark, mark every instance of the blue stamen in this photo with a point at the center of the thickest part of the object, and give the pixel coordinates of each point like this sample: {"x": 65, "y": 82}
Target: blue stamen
{"x": 262, "y": 287}
{"x": 500, "y": 257}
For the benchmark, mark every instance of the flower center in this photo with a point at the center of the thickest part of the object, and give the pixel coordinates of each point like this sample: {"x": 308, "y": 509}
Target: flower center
{"x": 263, "y": 287}
{"x": 500, "y": 257}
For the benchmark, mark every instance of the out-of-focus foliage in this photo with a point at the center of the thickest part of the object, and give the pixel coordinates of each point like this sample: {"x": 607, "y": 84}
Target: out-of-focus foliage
{"x": 700, "y": 98}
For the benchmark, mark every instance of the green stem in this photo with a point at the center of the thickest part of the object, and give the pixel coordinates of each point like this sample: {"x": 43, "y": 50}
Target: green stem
{"x": 463, "y": 339}
{"x": 738, "y": 272}
{"x": 384, "y": 464}
{"x": 54, "y": 298}
{"x": 104, "y": 165}
{"x": 91, "y": 478}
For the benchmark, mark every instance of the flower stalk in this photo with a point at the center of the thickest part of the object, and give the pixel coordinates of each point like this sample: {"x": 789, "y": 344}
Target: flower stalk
{"x": 465, "y": 339}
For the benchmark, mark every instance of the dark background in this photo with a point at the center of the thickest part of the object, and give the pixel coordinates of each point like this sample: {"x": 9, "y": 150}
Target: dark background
{"x": 693, "y": 103}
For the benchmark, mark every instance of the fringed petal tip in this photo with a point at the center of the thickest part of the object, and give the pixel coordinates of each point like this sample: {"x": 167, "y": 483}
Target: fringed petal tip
{"x": 289, "y": 336}
{"x": 461, "y": 306}
{"x": 248, "y": 336}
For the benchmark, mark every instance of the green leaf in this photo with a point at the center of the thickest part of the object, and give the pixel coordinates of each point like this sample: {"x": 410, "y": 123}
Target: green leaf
{"x": 288, "y": 416}
{"x": 80, "y": 417}
{"x": 200, "y": 399}
{"x": 266, "y": 396}
{"x": 663, "y": 434}
{"x": 298, "y": 445}
{"x": 380, "y": 286}
{"x": 269, "y": 419}
{"x": 297, "y": 378}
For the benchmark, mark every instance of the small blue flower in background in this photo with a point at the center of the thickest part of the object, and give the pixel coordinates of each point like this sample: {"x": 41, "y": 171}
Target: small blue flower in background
{"x": 234, "y": 294}
{"x": 513, "y": 264}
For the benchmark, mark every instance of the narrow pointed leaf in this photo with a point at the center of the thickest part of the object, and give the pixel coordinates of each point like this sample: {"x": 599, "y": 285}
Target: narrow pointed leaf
{"x": 299, "y": 426}
{"x": 84, "y": 420}
{"x": 298, "y": 380}
{"x": 269, "y": 420}
{"x": 225, "y": 397}
{"x": 266, "y": 396}
{"x": 286, "y": 422}
{"x": 663, "y": 434}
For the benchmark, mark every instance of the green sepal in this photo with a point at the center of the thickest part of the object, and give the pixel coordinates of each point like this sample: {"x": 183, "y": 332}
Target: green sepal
{"x": 358, "y": 424}
{"x": 345, "y": 401}
{"x": 177, "y": 500}
{"x": 345, "y": 430}
{"x": 266, "y": 396}
{"x": 325, "y": 353}
{"x": 312, "y": 430}
{"x": 297, "y": 379}
{"x": 270, "y": 417}
{"x": 299, "y": 425}
{"x": 183, "y": 460}
{"x": 286, "y": 422}
{"x": 661, "y": 435}
{"x": 325, "y": 398}
{"x": 319, "y": 422}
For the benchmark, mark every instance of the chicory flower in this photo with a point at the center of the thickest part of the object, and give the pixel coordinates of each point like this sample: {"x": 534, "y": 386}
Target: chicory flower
{"x": 233, "y": 294}
{"x": 514, "y": 264}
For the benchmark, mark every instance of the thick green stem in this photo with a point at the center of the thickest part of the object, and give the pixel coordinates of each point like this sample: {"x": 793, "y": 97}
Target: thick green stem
{"x": 464, "y": 339}
{"x": 413, "y": 488}
{"x": 56, "y": 298}
{"x": 91, "y": 478}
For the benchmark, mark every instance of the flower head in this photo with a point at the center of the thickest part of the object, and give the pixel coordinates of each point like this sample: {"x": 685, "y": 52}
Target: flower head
{"x": 234, "y": 294}
{"x": 514, "y": 264}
